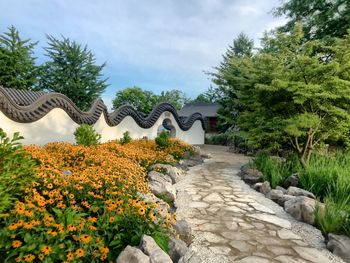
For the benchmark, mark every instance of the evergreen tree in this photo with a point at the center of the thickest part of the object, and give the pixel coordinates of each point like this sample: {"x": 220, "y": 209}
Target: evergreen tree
{"x": 17, "y": 64}
{"x": 72, "y": 70}
{"x": 321, "y": 19}
{"x": 229, "y": 75}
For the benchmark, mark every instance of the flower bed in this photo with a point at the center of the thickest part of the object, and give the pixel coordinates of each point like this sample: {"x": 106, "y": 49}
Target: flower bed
{"x": 82, "y": 204}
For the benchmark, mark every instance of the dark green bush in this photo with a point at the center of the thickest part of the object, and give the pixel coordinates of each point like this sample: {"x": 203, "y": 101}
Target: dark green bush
{"x": 86, "y": 135}
{"x": 163, "y": 140}
{"x": 16, "y": 170}
{"x": 126, "y": 138}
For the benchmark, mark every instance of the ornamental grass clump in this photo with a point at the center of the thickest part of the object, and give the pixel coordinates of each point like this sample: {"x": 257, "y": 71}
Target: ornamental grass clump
{"x": 90, "y": 213}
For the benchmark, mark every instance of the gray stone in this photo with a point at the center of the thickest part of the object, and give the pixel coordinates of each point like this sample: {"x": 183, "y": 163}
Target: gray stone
{"x": 340, "y": 246}
{"x": 274, "y": 195}
{"x": 184, "y": 230}
{"x": 287, "y": 234}
{"x": 302, "y": 208}
{"x": 155, "y": 253}
{"x": 265, "y": 188}
{"x": 159, "y": 177}
{"x": 251, "y": 176}
{"x": 289, "y": 259}
{"x": 292, "y": 180}
{"x": 272, "y": 219}
{"x": 292, "y": 190}
{"x": 284, "y": 190}
{"x": 254, "y": 259}
{"x": 177, "y": 249}
{"x": 257, "y": 186}
{"x": 174, "y": 173}
{"x": 311, "y": 254}
{"x": 67, "y": 172}
{"x": 161, "y": 187}
{"x": 132, "y": 255}
{"x": 284, "y": 199}
{"x": 206, "y": 155}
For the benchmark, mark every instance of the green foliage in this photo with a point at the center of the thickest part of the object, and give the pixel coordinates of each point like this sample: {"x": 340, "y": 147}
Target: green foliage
{"x": 163, "y": 140}
{"x": 335, "y": 217}
{"x": 320, "y": 19}
{"x": 144, "y": 101}
{"x": 175, "y": 97}
{"x": 72, "y": 71}
{"x": 141, "y": 100}
{"x": 211, "y": 95}
{"x": 16, "y": 170}
{"x": 17, "y": 64}
{"x": 274, "y": 169}
{"x": 292, "y": 94}
{"x": 86, "y": 135}
{"x": 126, "y": 138}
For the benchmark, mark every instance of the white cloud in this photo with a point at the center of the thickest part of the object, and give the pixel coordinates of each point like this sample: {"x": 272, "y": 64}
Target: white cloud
{"x": 153, "y": 44}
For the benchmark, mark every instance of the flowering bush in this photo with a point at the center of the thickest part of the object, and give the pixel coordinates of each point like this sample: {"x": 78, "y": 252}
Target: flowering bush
{"x": 83, "y": 204}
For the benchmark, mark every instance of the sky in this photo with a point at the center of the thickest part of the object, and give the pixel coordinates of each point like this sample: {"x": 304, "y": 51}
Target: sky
{"x": 156, "y": 45}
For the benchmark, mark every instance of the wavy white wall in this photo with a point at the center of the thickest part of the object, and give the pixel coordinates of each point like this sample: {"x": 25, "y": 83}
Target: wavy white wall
{"x": 58, "y": 126}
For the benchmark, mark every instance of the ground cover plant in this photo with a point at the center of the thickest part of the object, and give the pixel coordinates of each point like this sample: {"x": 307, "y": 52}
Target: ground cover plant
{"x": 83, "y": 205}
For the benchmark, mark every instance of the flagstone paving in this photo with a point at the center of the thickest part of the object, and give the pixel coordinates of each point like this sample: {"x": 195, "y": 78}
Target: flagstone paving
{"x": 233, "y": 223}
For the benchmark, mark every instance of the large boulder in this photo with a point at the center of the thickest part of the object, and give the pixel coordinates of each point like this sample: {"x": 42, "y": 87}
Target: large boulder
{"x": 184, "y": 230}
{"x": 132, "y": 255}
{"x": 155, "y": 253}
{"x": 340, "y": 246}
{"x": 177, "y": 249}
{"x": 292, "y": 190}
{"x": 257, "y": 186}
{"x": 174, "y": 173}
{"x": 302, "y": 208}
{"x": 274, "y": 195}
{"x": 284, "y": 199}
{"x": 265, "y": 187}
{"x": 156, "y": 176}
{"x": 292, "y": 180}
{"x": 251, "y": 176}
{"x": 161, "y": 187}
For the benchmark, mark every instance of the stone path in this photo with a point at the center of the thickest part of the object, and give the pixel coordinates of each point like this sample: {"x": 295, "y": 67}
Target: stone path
{"x": 233, "y": 223}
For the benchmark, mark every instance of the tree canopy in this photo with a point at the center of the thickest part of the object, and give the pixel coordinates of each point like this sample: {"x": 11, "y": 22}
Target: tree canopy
{"x": 72, "y": 70}
{"x": 320, "y": 19}
{"x": 144, "y": 101}
{"x": 17, "y": 63}
{"x": 295, "y": 94}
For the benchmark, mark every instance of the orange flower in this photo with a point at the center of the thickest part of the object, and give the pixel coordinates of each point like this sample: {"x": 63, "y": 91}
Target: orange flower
{"x": 70, "y": 255}
{"x": 46, "y": 250}
{"x": 29, "y": 258}
{"x": 141, "y": 211}
{"x": 79, "y": 253}
{"x": 120, "y": 211}
{"x": 111, "y": 219}
{"x": 71, "y": 228}
{"x": 16, "y": 243}
{"x": 85, "y": 239}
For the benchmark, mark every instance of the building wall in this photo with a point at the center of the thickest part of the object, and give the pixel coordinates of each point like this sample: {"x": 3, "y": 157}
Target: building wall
{"x": 58, "y": 126}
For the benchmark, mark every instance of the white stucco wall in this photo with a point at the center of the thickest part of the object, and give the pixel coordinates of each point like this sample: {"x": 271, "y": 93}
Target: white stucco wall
{"x": 58, "y": 126}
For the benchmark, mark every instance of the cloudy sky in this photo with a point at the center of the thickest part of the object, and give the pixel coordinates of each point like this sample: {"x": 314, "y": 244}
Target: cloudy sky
{"x": 155, "y": 44}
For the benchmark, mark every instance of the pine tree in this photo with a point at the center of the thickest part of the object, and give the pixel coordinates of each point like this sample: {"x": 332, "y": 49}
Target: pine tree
{"x": 17, "y": 64}
{"x": 72, "y": 71}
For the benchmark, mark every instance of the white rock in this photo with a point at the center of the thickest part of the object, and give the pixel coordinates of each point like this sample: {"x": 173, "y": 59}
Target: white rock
{"x": 132, "y": 255}
{"x": 214, "y": 197}
{"x": 287, "y": 234}
{"x": 155, "y": 253}
{"x": 272, "y": 219}
{"x": 311, "y": 254}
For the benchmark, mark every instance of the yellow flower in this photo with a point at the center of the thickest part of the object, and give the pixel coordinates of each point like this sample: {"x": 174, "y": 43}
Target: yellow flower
{"x": 70, "y": 256}
{"x": 85, "y": 239}
{"x": 79, "y": 253}
{"x": 29, "y": 258}
{"x": 111, "y": 219}
{"x": 46, "y": 250}
{"x": 16, "y": 243}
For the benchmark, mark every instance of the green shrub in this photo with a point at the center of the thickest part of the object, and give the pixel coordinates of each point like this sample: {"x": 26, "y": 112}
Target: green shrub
{"x": 163, "y": 140}
{"x": 86, "y": 135}
{"x": 126, "y": 138}
{"x": 16, "y": 170}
